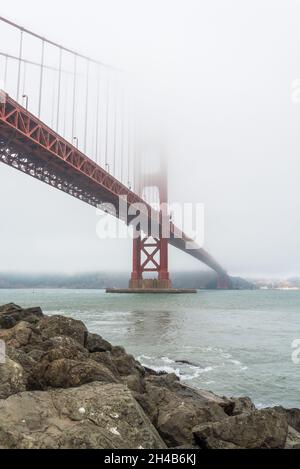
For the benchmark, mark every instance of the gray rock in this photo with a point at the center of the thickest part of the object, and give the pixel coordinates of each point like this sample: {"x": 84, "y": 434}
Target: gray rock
{"x": 22, "y": 335}
{"x": 175, "y": 409}
{"x": 292, "y": 415}
{"x": 293, "y": 439}
{"x": 66, "y": 373}
{"x": 95, "y": 343}
{"x": 10, "y": 308}
{"x": 12, "y": 379}
{"x": 7, "y": 322}
{"x": 241, "y": 405}
{"x": 11, "y": 314}
{"x": 126, "y": 364}
{"x": 55, "y": 326}
{"x": 94, "y": 416}
{"x": 263, "y": 429}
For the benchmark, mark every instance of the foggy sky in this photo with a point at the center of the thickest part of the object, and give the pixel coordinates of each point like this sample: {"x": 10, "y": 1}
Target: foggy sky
{"x": 217, "y": 75}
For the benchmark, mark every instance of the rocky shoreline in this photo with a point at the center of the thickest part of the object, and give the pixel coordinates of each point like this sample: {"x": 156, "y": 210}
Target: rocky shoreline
{"x": 64, "y": 387}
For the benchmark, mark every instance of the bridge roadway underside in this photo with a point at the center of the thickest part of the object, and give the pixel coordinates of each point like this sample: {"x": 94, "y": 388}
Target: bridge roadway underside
{"x": 59, "y": 175}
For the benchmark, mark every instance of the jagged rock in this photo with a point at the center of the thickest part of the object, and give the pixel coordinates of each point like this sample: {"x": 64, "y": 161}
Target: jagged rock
{"x": 241, "y": 405}
{"x": 293, "y": 439}
{"x": 94, "y": 416}
{"x": 56, "y": 357}
{"x": 175, "y": 409}
{"x": 12, "y": 379}
{"x": 95, "y": 343}
{"x": 105, "y": 358}
{"x": 22, "y": 335}
{"x": 66, "y": 373}
{"x": 32, "y": 315}
{"x": 11, "y": 315}
{"x": 126, "y": 364}
{"x": 292, "y": 415}
{"x": 55, "y": 326}
{"x": 64, "y": 347}
{"x": 135, "y": 383}
{"x": 7, "y": 322}
{"x": 262, "y": 429}
{"x": 26, "y": 361}
{"x": 10, "y": 308}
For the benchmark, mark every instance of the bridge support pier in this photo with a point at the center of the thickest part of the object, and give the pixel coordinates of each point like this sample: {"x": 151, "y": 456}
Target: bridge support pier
{"x": 223, "y": 282}
{"x": 150, "y": 255}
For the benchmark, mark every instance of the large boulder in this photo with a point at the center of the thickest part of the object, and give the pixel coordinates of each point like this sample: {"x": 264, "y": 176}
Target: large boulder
{"x": 11, "y": 314}
{"x": 10, "y": 308}
{"x": 21, "y": 335}
{"x": 126, "y": 364}
{"x": 55, "y": 326}
{"x": 293, "y": 439}
{"x": 64, "y": 347}
{"x": 262, "y": 429}
{"x": 105, "y": 358}
{"x": 66, "y": 373}
{"x": 95, "y": 344}
{"x": 292, "y": 415}
{"x": 12, "y": 379}
{"x": 24, "y": 359}
{"x": 238, "y": 405}
{"x": 175, "y": 409}
{"x": 94, "y": 416}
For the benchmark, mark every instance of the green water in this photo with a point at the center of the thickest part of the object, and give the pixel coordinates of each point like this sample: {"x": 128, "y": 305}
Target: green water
{"x": 239, "y": 343}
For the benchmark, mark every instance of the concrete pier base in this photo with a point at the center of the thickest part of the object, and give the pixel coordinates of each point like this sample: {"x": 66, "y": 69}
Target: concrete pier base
{"x": 151, "y": 291}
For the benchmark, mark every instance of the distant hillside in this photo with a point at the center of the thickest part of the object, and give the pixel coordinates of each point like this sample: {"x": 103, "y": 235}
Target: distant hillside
{"x": 102, "y": 280}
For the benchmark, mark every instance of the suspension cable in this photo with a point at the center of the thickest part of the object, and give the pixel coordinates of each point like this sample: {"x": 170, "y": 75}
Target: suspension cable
{"x": 98, "y": 121}
{"x": 5, "y": 72}
{"x": 41, "y": 78}
{"x": 59, "y": 88}
{"x": 115, "y": 129}
{"x": 24, "y": 79}
{"x": 107, "y": 122}
{"x": 74, "y": 98}
{"x": 42, "y": 38}
{"x": 86, "y": 105}
{"x": 20, "y": 63}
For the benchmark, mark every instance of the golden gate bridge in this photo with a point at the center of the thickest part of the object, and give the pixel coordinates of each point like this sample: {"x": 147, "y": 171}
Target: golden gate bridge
{"x": 70, "y": 121}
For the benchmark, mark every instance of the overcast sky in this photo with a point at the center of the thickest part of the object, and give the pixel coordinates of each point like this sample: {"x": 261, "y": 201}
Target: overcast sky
{"x": 219, "y": 74}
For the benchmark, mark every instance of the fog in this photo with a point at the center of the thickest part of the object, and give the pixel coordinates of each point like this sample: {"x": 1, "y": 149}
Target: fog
{"x": 216, "y": 81}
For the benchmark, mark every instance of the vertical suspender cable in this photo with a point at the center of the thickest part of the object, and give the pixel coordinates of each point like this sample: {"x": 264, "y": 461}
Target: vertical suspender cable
{"x": 129, "y": 149}
{"x": 115, "y": 128}
{"x": 20, "y": 63}
{"x": 41, "y": 78}
{"x": 74, "y": 97}
{"x": 97, "y": 156}
{"x": 59, "y": 89}
{"x": 66, "y": 106}
{"x": 122, "y": 132}
{"x": 107, "y": 122}
{"x": 5, "y": 72}
{"x": 86, "y": 105}
{"x": 24, "y": 78}
{"x": 53, "y": 102}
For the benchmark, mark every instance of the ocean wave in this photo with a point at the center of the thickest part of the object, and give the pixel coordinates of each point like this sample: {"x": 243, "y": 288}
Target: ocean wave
{"x": 182, "y": 369}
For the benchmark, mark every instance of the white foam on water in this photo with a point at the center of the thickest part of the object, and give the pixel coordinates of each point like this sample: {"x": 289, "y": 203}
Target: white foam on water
{"x": 164, "y": 364}
{"x": 235, "y": 362}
